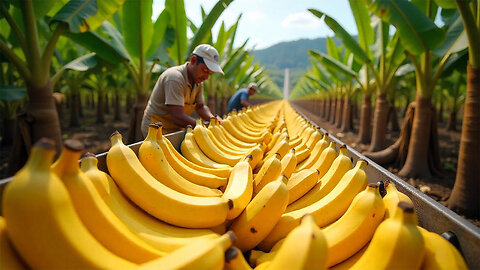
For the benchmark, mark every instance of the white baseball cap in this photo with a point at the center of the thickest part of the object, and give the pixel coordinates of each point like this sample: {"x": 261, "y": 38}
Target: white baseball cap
{"x": 210, "y": 57}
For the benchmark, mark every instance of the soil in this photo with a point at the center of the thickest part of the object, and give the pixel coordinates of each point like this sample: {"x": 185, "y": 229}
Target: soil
{"x": 438, "y": 188}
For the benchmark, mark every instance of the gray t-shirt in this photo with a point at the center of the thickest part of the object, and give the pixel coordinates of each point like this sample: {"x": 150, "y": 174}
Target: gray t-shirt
{"x": 172, "y": 88}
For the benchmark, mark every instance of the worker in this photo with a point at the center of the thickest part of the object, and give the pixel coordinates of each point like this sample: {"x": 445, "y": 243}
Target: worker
{"x": 179, "y": 91}
{"x": 239, "y": 100}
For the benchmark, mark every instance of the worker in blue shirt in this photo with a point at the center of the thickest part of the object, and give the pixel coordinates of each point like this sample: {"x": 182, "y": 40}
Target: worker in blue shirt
{"x": 240, "y": 98}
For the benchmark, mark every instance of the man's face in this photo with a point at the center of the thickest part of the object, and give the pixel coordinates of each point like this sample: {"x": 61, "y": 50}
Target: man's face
{"x": 251, "y": 92}
{"x": 200, "y": 71}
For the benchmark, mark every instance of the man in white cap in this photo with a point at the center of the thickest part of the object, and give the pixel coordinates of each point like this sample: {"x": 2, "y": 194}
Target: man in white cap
{"x": 240, "y": 98}
{"x": 179, "y": 91}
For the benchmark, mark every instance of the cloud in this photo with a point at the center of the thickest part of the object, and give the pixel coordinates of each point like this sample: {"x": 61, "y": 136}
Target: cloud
{"x": 302, "y": 21}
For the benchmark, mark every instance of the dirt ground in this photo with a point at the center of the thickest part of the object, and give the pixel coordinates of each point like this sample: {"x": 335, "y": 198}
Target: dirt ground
{"x": 95, "y": 138}
{"x": 438, "y": 188}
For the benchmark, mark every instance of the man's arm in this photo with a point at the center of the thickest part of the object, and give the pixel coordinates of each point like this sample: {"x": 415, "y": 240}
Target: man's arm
{"x": 179, "y": 117}
{"x": 204, "y": 112}
{"x": 245, "y": 103}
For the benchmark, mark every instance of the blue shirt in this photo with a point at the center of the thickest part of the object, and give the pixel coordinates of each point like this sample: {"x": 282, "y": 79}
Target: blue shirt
{"x": 235, "y": 100}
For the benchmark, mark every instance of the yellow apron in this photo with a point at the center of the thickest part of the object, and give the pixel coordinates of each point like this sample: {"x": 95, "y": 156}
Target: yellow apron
{"x": 167, "y": 124}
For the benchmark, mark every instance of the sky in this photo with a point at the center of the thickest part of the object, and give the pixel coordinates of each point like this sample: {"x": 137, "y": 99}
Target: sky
{"x": 267, "y": 22}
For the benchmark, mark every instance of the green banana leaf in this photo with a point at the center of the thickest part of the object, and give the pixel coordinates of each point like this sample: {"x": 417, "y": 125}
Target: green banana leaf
{"x": 12, "y": 93}
{"x": 417, "y": 32}
{"x": 333, "y": 63}
{"x": 74, "y": 14}
{"x": 105, "y": 10}
{"x": 159, "y": 30}
{"x": 455, "y": 41}
{"x": 362, "y": 19}
{"x": 82, "y": 63}
{"x": 178, "y": 22}
{"x": 137, "y": 26}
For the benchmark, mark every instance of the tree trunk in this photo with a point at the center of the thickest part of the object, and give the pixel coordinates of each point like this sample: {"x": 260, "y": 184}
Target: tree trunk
{"x": 39, "y": 121}
{"x": 440, "y": 112}
{"x": 322, "y": 109}
{"x": 128, "y": 103}
{"x": 106, "y": 102}
{"x": 327, "y": 110}
{"x": 347, "y": 116}
{"x": 100, "y": 108}
{"x": 365, "y": 120}
{"x": 117, "y": 108}
{"x": 136, "y": 115}
{"x": 416, "y": 165}
{"x": 379, "y": 124}
{"x": 464, "y": 196}
{"x": 339, "y": 113}
{"x": 452, "y": 121}
{"x": 74, "y": 110}
{"x": 333, "y": 109}
{"x": 393, "y": 118}
{"x": 92, "y": 98}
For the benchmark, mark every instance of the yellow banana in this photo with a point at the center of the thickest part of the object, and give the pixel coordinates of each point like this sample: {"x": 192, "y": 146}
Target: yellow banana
{"x": 289, "y": 162}
{"x": 218, "y": 134}
{"x": 356, "y": 227}
{"x": 153, "y": 196}
{"x": 234, "y": 260}
{"x": 239, "y": 188}
{"x": 305, "y": 247}
{"x": 42, "y": 223}
{"x": 100, "y": 221}
{"x": 314, "y": 138}
{"x": 232, "y": 139}
{"x": 315, "y": 154}
{"x": 222, "y": 173}
{"x": 162, "y": 236}
{"x": 294, "y": 142}
{"x": 257, "y": 155}
{"x": 278, "y": 136}
{"x": 339, "y": 167}
{"x": 301, "y": 155}
{"x": 241, "y": 134}
{"x": 220, "y": 145}
{"x": 200, "y": 254}
{"x": 396, "y": 244}
{"x": 282, "y": 148}
{"x": 261, "y": 214}
{"x": 300, "y": 183}
{"x": 392, "y": 198}
{"x": 155, "y": 162}
{"x": 9, "y": 258}
{"x": 326, "y": 159}
{"x": 192, "y": 152}
{"x": 326, "y": 210}
{"x": 269, "y": 171}
{"x": 348, "y": 263}
{"x": 440, "y": 254}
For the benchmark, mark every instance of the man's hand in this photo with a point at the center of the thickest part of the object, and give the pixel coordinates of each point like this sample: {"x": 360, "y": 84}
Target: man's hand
{"x": 219, "y": 119}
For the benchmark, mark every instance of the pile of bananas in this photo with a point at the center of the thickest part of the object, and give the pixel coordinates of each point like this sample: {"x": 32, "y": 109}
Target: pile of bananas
{"x": 263, "y": 185}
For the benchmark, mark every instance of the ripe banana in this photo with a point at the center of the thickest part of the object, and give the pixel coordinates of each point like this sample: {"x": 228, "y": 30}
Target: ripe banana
{"x": 232, "y": 139}
{"x": 242, "y": 135}
{"x": 261, "y": 214}
{"x": 160, "y": 235}
{"x": 218, "y": 134}
{"x": 348, "y": 263}
{"x": 220, "y": 145}
{"x": 392, "y": 198}
{"x": 239, "y": 189}
{"x": 301, "y": 155}
{"x": 100, "y": 221}
{"x": 42, "y": 223}
{"x": 326, "y": 159}
{"x": 269, "y": 171}
{"x": 234, "y": 260}
{"x": 439, "y": 253}
{"x": 9, "y": 258}
{"x": 282, "y": 148}
{"x": 257, "y": 155}
{"x": 339, "y": 167}
{"x": 200, "y": 254}
{"x": 289, "y": 162}
{"x": 396, "y": 244}
{"x": 153, "y": 196}
{"x": 210, "y": 149}
{"x": 192, "y": 152}
{"x": 305, "y": 247}
{"x": 300, "y": 183}
{"x": 316, "y": 151}
{"x": 356, "y": 227}
{"x": 326, "y": 210}
{"x": 222, "y": 173}
{"x": 278, "y": 136}
{"x": 154, "y": 160}
{"x": 314, "y": 138}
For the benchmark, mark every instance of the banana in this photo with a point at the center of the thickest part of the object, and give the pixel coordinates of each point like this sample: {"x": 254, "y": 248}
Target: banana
{"x": 305, "y": 247}
{"x": 155, "y": 162}
{"x": 160, "y": 235}
{"x": 289, "y": 162}
{"x": 439, "y": 253}
{"x": 222, "y": 173}
{"x": 42, "y": 223}
{"x": 263, "y": 266}
{"x": 232, "y": 139}
{"x": 210, "y": 149}
{"x": 234, "y": 260}
{"x": 314, "y": 138}
{"x": 100, "y": 221}
{"x": 192, "y": 152}
{"x": 326, "y": 159}
{"x": 282, "y": 148}
{"x": 278, "y": 136}
{"x": 392, "y": 198}
{"x": 339, "y": 167}
{"x": 326, "y": 210}
{"x": 348, "y": 263}
{"x": 301, "y": 155}
{"x": 300, "y": 183}
{"x": 257, "y": 155}
{"x": 217, "y": 133}
{"x": 269, "y": 171}
{"x": 239, "y": 189}
{"x": 261, "y": 214}
{"x": 294, "y": 142}
{"x": 200, "y": 254}
{"x": 9, "y": 258}
{"x": 315, "y": 153}
{"x": 242, "y": 135}
{"x": 356, "y": 227}
{"x": 396, "y": 244}
{"x": 219, "y": 144}
{"x": 157, "y": 199}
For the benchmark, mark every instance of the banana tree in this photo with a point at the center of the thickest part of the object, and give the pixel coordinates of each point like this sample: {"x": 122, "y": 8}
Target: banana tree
{"x": 420, "y": 36}
{"x": 464, "y": 196}
{"x": 453, "y": 91}
{"x": 31, "y": 53}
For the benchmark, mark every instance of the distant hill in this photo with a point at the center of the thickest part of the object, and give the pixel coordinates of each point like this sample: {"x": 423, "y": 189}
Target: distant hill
{"x": 290, "y": 54}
